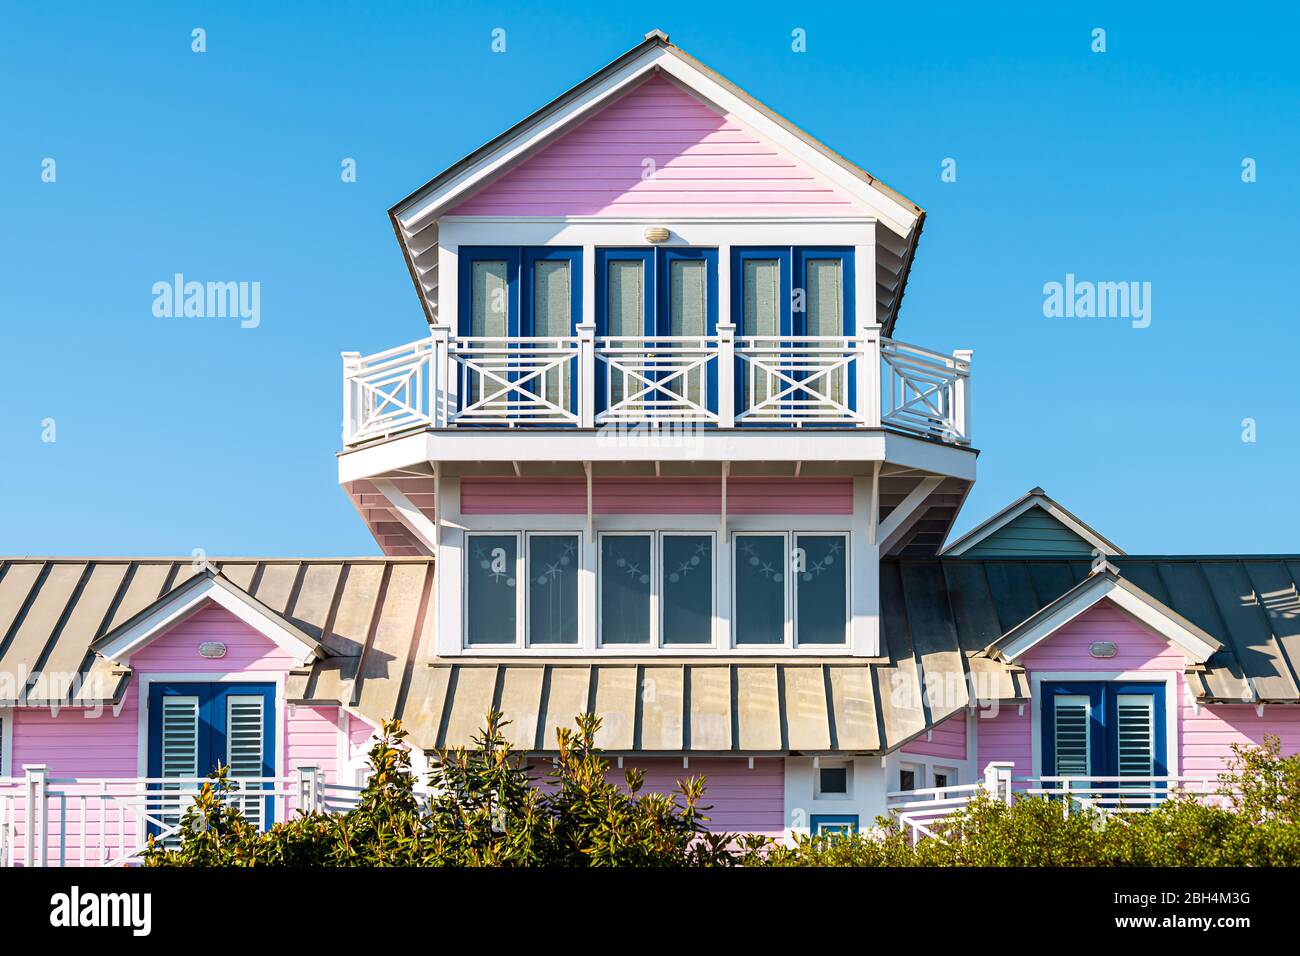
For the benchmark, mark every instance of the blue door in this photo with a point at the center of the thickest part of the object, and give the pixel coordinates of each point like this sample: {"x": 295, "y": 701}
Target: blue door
{"x": 625, "y": 309}
{"x": 193, "y": 727}
{"x": 1104, "y": 729}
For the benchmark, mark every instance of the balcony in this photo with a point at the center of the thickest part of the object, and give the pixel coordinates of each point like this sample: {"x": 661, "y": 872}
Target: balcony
{"x": 713, "y": 381}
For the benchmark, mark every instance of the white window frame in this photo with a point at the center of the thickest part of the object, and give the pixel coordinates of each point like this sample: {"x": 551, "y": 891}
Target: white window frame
{"x": 520, "y": 584}
{"x": 951, "y": 772}
{"x": 824, "y": 764}
{"x": 652, "y": 610}
{"x": 918, "y": 776}
{"x": 791, "y": 619}
{"x": 525, "y": 558}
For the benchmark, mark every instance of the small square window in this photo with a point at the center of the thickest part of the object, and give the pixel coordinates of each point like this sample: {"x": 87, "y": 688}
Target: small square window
{"x": 943, "y": 777}
{"x": 907, "y": 779}
{"x": 834, "y": 781}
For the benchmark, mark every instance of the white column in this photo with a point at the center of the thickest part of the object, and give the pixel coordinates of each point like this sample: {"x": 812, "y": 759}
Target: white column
{"x": 961, "y": 360}
{"x": 586, "y": 375}
{"x": 449, "y": 569}
{"x": 726, "y": 375}
{"x": 864, "y": 590}
{"x": 37, "y": 814}
{"x": 351, "y": 362}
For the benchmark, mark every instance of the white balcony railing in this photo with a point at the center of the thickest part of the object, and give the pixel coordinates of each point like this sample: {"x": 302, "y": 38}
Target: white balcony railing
{"x": 919, "y": 811}
{"x": 719, "y": 380}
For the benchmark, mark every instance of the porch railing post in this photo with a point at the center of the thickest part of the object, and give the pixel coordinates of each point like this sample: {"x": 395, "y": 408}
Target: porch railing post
{"x": 869, "y": 379}
{"x": 586, "y": 383}
{"x": 37, "y": 812}
{"x": 440, "y": 374}
{"x": 351, "y": 363}
{"x": 308, "y": 790}
{"x": 997, "y": 780}
{"x": 961, "y": 360}
{"x": 726, "y": 375}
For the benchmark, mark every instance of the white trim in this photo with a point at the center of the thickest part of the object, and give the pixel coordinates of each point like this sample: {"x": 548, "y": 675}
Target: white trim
{"x": 181, "y": 606}
{"x": 6, "y": 741}
{"x": 600, "y": 232}
{"x": 1172, "y": 701}
{"x": 143, "y": 682}
{"x": 1104, "y": 587}
{"x": 990, "y": 527}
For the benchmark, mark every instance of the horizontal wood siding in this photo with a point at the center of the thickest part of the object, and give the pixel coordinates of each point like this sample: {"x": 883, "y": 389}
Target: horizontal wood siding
{"x": 1034, "y": 532}
{"x": 658, "y": 150}
{"x": 630, "y": 496}
{"x": 743, "y": 800}
{"x": 947, "y": 740}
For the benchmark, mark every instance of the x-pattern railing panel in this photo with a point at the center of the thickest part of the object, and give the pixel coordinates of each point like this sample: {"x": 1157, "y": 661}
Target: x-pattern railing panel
{"x": 513, "y": 382}
{"x": 921, "y": 391}
{"x": 664, "y": 379}
{"x": 798, "y": 379}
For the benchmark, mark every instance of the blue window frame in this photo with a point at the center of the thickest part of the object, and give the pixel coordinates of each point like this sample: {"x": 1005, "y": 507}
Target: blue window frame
{"x": 1104, "y": 729}
{"x": 678, "y": 296}
{"x": 193, "y": 727}
{"x": 530, "y": 291}
{"x": 795, "y": 291}
{"x": 822, "y": 824}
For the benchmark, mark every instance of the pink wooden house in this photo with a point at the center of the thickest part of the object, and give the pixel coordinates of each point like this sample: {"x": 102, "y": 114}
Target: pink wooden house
{"x": 659, "y": 455}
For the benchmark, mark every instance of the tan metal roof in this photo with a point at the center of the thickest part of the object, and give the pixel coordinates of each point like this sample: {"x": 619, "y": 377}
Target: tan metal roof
{"x": 372, "y": 616}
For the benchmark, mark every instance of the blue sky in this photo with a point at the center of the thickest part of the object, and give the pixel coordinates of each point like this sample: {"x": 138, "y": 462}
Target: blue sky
{"x": 174, "y": 434}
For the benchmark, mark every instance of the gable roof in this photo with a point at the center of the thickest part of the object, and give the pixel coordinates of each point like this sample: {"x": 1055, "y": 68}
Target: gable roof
{"x": 1011, "y": 532}
{"x": 414, "y": 218}
{"x": 174, "y": 606}
{"x": 1105, "y": 583}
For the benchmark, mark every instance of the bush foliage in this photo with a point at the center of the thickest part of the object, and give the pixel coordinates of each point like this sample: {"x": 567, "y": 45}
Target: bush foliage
{"x": 485, "y": 807}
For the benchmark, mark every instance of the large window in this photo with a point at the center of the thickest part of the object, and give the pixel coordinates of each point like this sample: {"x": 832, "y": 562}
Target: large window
{"x": 791, "y": 588}
{"x": 492, "y": 590}
{"x": 656, "y": 589}
{"x": 543, "y": 577}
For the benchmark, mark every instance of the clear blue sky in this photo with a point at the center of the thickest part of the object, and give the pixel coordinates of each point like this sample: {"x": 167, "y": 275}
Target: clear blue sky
{"x": 174, "y": 433}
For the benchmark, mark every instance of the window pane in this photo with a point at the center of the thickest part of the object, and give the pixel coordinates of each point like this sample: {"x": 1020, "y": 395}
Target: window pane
{"x": 825, "y": 303}
{"x": 489, "y": 290}
{"x": 490, "y": 589}
{"x": 907, "y": 779}
{"x": 821, "y": 575}
{"x": 761, "y": 316}
{"x": 834, "y": 780}
{"x": 551, "y": 317}
{"x": 625, "y": 588}
{"x": 552, "y": 589}
{"x": 688, "y": 279}
{"x": 625, "y": 316}
{"x": 760, "y": 589}
{"x": 686, "y": 589}
{"x": 825, "y": 297}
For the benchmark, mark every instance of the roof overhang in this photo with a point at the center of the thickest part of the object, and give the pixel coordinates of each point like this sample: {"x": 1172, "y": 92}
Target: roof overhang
{"x": 181, "y": 602}
{"x": 1105, "y": 584}
{"x": 1036, "y": 498}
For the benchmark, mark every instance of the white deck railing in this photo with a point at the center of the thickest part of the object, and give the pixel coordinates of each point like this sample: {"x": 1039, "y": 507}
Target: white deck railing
{"x": 720, "y": 380}
{"x": 918, "y": 811}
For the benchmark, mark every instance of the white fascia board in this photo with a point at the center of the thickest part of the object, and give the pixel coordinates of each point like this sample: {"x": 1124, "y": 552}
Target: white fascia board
{"x": 894, "y": 214}
{"x": 998, "y": 522}
{"x": 456, "y": 231}
{"x": 1105, "y": 588}
{"x": 170, "y": 613}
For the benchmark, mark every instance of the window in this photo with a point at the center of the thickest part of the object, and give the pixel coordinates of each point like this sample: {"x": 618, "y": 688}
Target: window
{"x": 832, "y": 781}
{"x": 655, "y": 293}
{"x": 553, "y": 563}
{"x": 1107, "y": 729}
{"x": 821, "y": 588}
{"x": 626, "y": 579}
{"x": 671, "y": 571}
{"x": 790, "y": 587}
{"x": 686, "y": 588}
{"x": 832, "y": 826}
{"x": 509, "y": 292}
{"x": 909, "y": 777}
{"x": 945, "y": 777}
{"x": 491, "y": 589}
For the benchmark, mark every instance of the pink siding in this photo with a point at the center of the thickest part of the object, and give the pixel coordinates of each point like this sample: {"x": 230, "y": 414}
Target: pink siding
{"x": 1204, "y": 739}
{"x": 703, "y": 164}
{"x": 624, "y": 496}
{"x": 947, "y": 740}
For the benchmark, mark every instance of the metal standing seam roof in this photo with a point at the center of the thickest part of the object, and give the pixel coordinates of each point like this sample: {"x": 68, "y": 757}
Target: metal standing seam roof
{"x": 373, "y": 618}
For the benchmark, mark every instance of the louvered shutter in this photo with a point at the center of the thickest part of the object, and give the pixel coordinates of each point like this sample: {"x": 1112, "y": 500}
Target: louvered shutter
{"x": 1135, "y": 729}
{"x": 1071, "y": 734}
{"x": 180, "y": 756}
{"x": 245, "y": 725}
